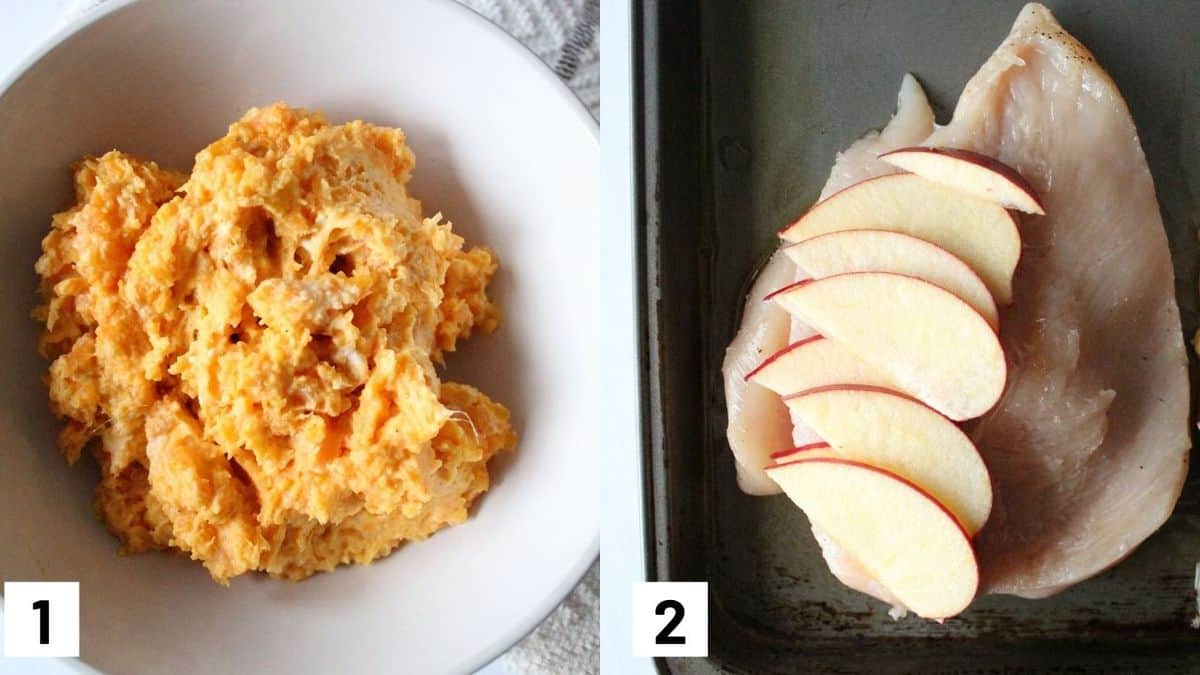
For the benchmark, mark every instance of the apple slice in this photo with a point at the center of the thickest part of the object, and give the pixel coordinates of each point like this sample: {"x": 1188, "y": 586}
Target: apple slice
{"x": 971, "y": 172}
{"x": 898, "y": 534}
{"x": 894, "y": 432}
{"x": 816, "y": 362}
{"x": 923, "y": 337}
{"x": 882, "y": 251}
{"x": 981, "y": 233}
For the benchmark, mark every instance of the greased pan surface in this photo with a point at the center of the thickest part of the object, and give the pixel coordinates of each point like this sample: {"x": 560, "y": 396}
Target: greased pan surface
{"x": 743, "y": 108}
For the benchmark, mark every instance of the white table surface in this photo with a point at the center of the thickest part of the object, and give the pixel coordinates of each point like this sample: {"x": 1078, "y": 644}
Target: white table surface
{"x": 622, "y": 557}
{"x": 24, "y": 25}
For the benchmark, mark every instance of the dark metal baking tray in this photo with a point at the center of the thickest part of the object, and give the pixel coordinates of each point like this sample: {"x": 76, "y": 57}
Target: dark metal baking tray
{"x": 743, "y": 105}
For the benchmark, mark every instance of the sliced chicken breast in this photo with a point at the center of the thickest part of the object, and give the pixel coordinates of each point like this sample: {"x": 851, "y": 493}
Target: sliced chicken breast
{"x": 758, "y": 419}
{"x": 1088, "y": 448}
{"x": 912, "y": 122}
{"x": 759, "y": 422}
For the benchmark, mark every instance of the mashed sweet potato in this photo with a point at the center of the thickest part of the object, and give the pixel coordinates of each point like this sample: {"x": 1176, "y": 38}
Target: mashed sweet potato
{"x": 249, "y": 351}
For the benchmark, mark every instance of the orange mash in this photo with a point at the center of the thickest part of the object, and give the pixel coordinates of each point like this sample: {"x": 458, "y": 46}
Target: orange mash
{"x": 249, "y": 351}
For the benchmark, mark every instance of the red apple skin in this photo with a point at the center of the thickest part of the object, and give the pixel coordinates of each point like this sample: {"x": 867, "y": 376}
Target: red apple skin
{"x": 787, "y": 227}
{"x": 970, "y": 271}
{"x": 1011, "y": 219}
{"x": 883, "y": 390}
{"x": 919, "y": 491}
{"x": 1003, "y": 384}
{"x": 779, "y": 291}
{"x": 991, "y": 163}
{"x": 889, "y": 474}
{"x": 819, "y": 445}
{"x": 774, "y": 357}
{"x": 859, "y": 387}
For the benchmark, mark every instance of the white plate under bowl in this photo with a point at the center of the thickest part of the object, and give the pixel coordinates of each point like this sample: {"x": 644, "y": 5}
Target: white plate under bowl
{"x": 504, "y": 150}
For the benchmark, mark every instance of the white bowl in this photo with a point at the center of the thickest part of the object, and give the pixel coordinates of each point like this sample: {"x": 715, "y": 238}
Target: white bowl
{"x": 503, "y": 149}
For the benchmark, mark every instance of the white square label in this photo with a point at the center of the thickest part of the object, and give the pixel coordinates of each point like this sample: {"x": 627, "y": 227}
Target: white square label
{"x": 41, "y": 618}
{"x": 670, "y": 618}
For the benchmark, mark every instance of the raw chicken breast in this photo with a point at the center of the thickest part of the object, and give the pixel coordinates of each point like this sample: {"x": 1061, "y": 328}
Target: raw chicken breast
{"x": 1088, "y": 448}
{"x": 912, "y": 122}
{"x": 758, "y": 419}
{"x": 759, "y": 422}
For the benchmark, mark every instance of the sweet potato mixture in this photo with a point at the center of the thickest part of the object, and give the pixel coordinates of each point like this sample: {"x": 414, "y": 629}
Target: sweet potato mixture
{"x": 249, "y": 351}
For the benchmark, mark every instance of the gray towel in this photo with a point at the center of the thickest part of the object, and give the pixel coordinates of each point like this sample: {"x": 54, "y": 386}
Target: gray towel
{"x": 563, "y": 33}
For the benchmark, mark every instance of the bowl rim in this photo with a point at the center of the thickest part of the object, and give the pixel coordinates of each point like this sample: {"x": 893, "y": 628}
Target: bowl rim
{"x": 542, "y": 610}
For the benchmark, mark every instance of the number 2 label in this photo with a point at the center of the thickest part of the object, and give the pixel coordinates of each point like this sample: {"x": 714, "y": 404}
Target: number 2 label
{"x": 664, "y": 636}
{"x": 670, "y": 619}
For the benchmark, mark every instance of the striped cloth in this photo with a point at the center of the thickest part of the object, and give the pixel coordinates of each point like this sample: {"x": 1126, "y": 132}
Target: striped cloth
{"x": 563, "y": 33}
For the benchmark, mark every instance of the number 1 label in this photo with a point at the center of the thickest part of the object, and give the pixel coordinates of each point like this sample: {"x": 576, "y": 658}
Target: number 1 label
{"x": 43, "y": 606}
{"x": 41, "y": 618}
{"x": 670, "y": 619}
